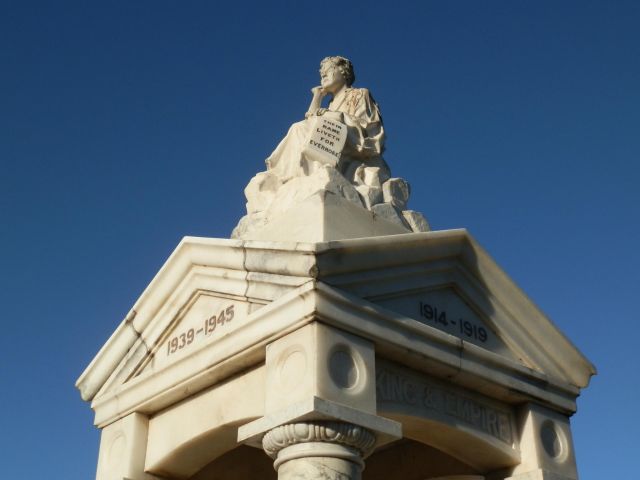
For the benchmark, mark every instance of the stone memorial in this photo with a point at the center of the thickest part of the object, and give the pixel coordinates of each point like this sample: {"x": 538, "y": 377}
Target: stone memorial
{"x": 327, "y": 179}
{"x": 334, "y": 331}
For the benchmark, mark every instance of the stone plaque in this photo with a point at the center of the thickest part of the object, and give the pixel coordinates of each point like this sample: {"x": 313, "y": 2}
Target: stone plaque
{"x": 400, "y": 388}
{"x": 445, "y": 310}
{"x": 327, "y": 140}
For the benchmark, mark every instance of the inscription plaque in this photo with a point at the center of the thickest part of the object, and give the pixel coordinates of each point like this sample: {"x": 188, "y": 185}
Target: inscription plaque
{"x": 445, "y": 310}
{"x": 327, "y": 140}
{"x": 435, "y": 400}
{"x": 206, "y": 320}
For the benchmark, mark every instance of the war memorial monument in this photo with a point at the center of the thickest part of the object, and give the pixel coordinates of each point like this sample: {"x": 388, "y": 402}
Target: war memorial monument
{"x": 334, "y": 336}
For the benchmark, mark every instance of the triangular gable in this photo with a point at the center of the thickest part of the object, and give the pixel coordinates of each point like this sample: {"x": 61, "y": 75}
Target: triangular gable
{"x": 206, "y": 317}
{"x": 452, "y": 271}
{"x": 447, "y": 309}
{"x": 250, "y": 272}
{"x": 437, "y": 294}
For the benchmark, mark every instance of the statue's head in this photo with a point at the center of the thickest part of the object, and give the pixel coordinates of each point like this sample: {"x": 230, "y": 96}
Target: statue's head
{"x": 341, "y": 68}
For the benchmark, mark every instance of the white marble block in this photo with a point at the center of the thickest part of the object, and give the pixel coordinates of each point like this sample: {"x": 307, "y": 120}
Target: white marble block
{"x": 123, "y": 446}
{"x": 416, "y": 221}
{"x": 370, "y": 195}
{"x": 546, "y": 445}
{"x": 396, "y": 191}
{"x": 320, "y": 361}
{"x": 261, "y": 191}
{"x": 389, "y": 213}
{"x": 370, "y": 176}
{"x": 320, "y": 206}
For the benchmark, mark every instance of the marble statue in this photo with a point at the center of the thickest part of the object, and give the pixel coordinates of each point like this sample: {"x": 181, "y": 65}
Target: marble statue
{"x": 353, "y": 107}
{"x": 336, "y": 149}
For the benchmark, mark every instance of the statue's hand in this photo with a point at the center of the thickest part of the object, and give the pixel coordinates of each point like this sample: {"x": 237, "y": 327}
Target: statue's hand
{"x": 318, "y": 113}
{"x": 316, "y": 101}
{"x": 318, "y": 92}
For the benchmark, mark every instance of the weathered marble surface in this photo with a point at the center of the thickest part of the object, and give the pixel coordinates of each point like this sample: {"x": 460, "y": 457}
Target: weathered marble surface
{"x": 319, "y": 468}
{"x": 319, "y": 450}
{"x": 470, "y": 384}
{"x": 336, "y": 149}
{"x": 326, "y": 349}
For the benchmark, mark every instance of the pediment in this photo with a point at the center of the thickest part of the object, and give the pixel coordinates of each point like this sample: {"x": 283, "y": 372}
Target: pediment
{"x": 216, "y": 304}
{"x": 447, "y": 309}
{"x": 191, "y": 322}
{"x": 206, "y": 318}
{"x": 202, "y": 278}
{"x": 415, "y": 274}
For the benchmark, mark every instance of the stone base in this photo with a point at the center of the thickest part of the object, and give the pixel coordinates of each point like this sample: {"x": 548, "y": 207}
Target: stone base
{"x": 236, "y": 340}
{"x": 325, "y": 216}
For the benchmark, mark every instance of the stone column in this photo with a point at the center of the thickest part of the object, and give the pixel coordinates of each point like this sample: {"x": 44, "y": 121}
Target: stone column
{"x": 319, "y": 450}
{"x": 320, "y": 418}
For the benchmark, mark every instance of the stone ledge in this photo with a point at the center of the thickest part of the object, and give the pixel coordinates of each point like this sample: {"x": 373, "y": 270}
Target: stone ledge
{"x": 316, "y": 408}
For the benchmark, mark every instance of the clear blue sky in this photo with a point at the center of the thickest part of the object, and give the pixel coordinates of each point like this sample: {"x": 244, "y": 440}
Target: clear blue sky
{"x": 126, "y": 125}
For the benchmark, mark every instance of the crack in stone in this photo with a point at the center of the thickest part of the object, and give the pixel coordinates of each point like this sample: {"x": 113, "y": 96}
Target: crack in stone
{"x": 129, "y": 321}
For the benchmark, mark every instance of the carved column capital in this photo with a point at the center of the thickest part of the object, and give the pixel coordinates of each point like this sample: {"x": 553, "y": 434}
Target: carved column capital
{"x": 342, "y": 433}
{"x": 318, "y": 439}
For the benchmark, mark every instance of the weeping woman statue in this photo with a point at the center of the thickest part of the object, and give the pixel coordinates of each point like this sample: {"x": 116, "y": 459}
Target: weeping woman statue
{"x": 350, "y": 137}
{"x": 354, "y": 107}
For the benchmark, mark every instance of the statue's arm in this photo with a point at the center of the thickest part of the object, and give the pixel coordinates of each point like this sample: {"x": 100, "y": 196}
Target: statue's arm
{"x": 316, "y": 101}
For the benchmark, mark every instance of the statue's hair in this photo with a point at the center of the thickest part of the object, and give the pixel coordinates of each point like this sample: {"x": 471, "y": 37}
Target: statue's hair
{"x": 344, "y": 65}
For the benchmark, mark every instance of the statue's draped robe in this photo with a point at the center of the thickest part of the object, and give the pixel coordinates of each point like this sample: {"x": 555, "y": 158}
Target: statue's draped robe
{"x": 355, "y": 108}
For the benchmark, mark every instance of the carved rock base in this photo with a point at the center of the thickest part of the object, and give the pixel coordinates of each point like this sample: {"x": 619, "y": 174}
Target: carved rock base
{"x": 286, "y": 211}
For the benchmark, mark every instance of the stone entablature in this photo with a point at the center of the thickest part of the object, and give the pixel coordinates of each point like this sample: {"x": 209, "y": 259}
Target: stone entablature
{"x": 403, "y": 390}
{"x": 223, "y": 308}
